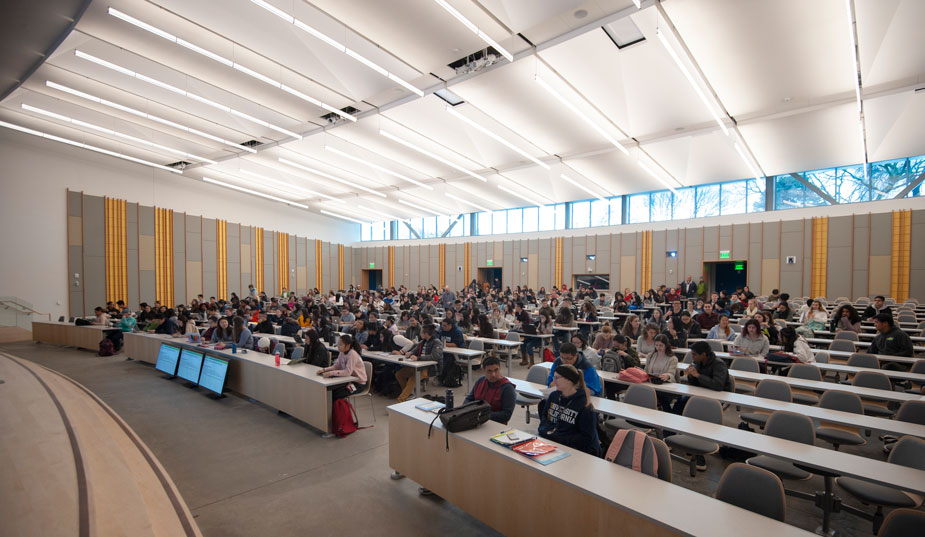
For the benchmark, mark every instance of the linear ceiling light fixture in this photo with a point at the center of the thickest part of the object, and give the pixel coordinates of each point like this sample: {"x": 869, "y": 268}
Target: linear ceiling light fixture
{"x": 582, "y": 187}
{"x": 657, "y": 176}
{"x": 377, "y": 167}
{"x": 75, "y": 143}
{"x": 111, "y": 132}
{"x": 522, "y": 196}
{"x": 320, "y": 173}
{"x": 425, "y": 209}
{"x": 856, "y": 75}
{"x": 254, "y": 192}
{"x": 284, "y": 186}
{"x": 342, "y": 217}
{"x": 427, "y": 153}
{"x": 475, "y": 29}
{"x": 467, "y": 202}
{"x": 638, "y": 4}
{"x": 495, "y": 137}
{"x": 748, "y": 162}
{"x": 690, "y": 77}
{"x": 337, "y": 45}
{"x": 230, "y": 63}
{"x": 145, "y": 115}
{"x": 568, "y": 104}
{"x": 178, "y": 91}
{"x": 387, "y": 215}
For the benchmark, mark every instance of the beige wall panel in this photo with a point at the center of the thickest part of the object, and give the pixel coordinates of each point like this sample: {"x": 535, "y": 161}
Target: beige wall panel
{"x": 861, "y": 255}
{"x": 193, "y": 279}
{"x": 771, "y": 280}
{"x": 74, "y": 231}
{"x": 146, "y": 252}
{"x": 628, "y": 272}
{"x": 533, "y": 271}
{"x": 880, "y": 270}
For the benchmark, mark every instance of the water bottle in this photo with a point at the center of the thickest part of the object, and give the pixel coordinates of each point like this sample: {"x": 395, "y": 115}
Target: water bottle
{"x": 277, "y": 359}
{"x": 234, "y": 348}
{"x": 449, "y": 399}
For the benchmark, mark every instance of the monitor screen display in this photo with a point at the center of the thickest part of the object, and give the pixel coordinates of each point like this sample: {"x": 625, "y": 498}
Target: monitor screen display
{"x": 167, "y": 359}
{"x": 190, "y": 364}
{"x": 213, "y": 373}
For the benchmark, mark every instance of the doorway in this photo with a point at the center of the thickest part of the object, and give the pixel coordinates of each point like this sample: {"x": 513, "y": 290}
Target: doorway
{"x": 372, "y": 278}
{"x": 725, "y": 275}
{"x": 490, "y": 275}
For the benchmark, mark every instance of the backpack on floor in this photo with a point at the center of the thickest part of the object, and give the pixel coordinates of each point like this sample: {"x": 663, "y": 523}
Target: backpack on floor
{"x": 107, "y": 348}
{"x": 451, "y": 374}
{"x": 612, "y": 362}
{"x": 344, "y": 418}
{"x": 633, "y": 449}
{"x": 548, "y": 356}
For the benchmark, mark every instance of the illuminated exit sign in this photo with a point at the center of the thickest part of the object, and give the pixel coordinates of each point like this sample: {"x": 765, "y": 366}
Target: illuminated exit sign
{"x": 724, "y": 254}
{"x": 372, "y": 265}
{"x": 490, "y": 262}
{"x": 740, "y": 266}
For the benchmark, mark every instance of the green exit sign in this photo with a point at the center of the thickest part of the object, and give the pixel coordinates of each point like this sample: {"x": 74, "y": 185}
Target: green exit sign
{"x": 724, "y": 254}
{"x": 740, "y": 266}
{"x": 490, "y": 262}
{"x": 372, "y": 265}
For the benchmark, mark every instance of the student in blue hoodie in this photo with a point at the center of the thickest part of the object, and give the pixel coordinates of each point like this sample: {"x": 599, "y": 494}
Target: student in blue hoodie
{"x": 566, "y": 415}
{"x": 568, "y": 355}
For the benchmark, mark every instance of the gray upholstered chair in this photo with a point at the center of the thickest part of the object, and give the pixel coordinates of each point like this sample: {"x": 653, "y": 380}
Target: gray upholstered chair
{"x": 864, "y": 360}
{"x": 769, "y": 389}
{"x": 754, "y": 489}
{"x": 537, "y": 375}
{"x": 839, "y": 435}
{"x": 297, "y": 352}
{"x": 843, "y": 345}
{"x": 664, "y": 459}
{"x": 877, "y": 381}
{"x": 847, "y": 334}
{"x": 699, "y": 408}
{"x": 909, "y": 452}
{"x": 745, "y": 363}
{"x": 805, "y": 372}
{"x": 789, "y": 426}
{"x": 639, "y": 395}
{"x": 903, "y": 523}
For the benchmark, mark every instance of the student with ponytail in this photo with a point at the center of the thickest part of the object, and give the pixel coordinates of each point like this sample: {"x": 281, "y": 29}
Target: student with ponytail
{"x": 348, "y": 364}
{"x": 566, "y": 415}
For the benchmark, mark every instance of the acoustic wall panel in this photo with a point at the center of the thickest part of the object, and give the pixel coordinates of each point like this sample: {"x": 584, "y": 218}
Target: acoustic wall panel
{"x": 94, "y": 249}
{"x": 147, "y": 279}
{"x": 791, "y": 275}
{"x": 838, "y": 265}
{"x": 209, "y": 253}
{"x": 179, "y": 257}
{"x": 754, "y": 255}
{"x": 917, "y": 256}
{"x": 233, "y": 244}
{"x": 75, "y": 253}
{"x": 131, "y": 248}
{"x": 861, "y": 255}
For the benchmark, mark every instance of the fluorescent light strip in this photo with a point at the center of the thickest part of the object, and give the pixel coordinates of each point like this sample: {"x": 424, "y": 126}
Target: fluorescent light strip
{"x": 86, "y": 146}
{"x": 495, "y": 137}
{"x": 425, "y": 209}
{"x": 638, "y": 4}
{"x": 337, "y": 45}
{"x": 656, "y": 176}
{"x": 582, "y": 187}
{"x": 561, "y": 98}
{"x": 145, "y": 115}
{"x": 286, "y": 186}
{"x": 254, "y": 192}
{"x": 342, "y": 217}
{"x": 690, "y": 79}
{"x": 467, "y": 202}
{"x": 427, "y": 153}
{"x": 856, "y": 75}
{"x": 377, "y": 167}
{"x": 755, "y": 173}
{"x": 184, "y": 93}
{"x": 387, "y": 215}
{"x": 114, "y": 133}
{"x": 521, "y": 196}
{"x": 329, "y": 176}
{"x": 230, "y": 63}
{"x": 475, "y": 29}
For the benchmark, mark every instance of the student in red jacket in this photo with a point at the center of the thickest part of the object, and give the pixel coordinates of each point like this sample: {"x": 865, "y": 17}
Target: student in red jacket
{"x": 494, "y": 389}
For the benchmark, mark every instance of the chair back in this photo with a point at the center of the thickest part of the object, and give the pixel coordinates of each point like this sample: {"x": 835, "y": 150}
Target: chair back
{"x": 903, "y": 523}
{"x": 872, "y": 379}
{"x": 918, "y": 367}
{"x": 847, "y": 334}
{"x": 864, "y": 360}
{"x": 538, "y": 374}
{"x": 844, "y": 401}
{"x": 476, "y": 345}
{"x": 908, "y": 452}
{"x": 774, "y": 389}
{"x": 512, "y": 336}
{"x": 754, "y": 489}
{"x": 641, "y": 395}
{"x": 745, "y": 363}
{"x": 805, "y": 371}
{"x": 664, "y": 458}
{"x": 369, "y": 380}
{"x": 821, "y": 357}
{"x": 911, "y": 412}
{"x": 842, "y": 345}
{"x": 281, "y": 349}
{"x": 704, "y": 409}
{"x": 791, "y": 426}
{"x": 716, "y": 345}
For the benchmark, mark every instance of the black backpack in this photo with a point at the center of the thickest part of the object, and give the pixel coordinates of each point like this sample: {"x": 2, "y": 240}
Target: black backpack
{"x": 451, "y": 374}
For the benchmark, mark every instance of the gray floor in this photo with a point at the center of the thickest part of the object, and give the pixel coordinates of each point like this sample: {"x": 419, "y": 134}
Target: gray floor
{"x": 243, "y": 469}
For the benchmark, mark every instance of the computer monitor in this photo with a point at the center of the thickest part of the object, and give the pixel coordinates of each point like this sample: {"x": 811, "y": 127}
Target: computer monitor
{"x": 190, "y": 365}
{"x": 167, "y": 359}
{"x": 213, "y": 374}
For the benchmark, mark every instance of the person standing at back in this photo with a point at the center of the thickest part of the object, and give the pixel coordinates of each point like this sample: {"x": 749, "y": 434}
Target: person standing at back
{"x": 688, "y": 287}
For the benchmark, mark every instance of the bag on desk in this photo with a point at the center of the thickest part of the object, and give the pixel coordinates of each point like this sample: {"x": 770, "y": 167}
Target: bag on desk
{"x": 634, "y": 375}
{"x": 82, "y": 322}
{"x": 462, "y": 418}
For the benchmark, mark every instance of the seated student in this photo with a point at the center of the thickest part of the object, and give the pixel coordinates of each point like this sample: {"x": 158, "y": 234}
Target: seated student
{"x": 102, "y": 318}
{"x": 168, "y": 325}
{"x": 646, "y": 343}
{"x": 290, "y": 327}
{"x": 451, "y": 335}
{"x": 566, "y": 415}
{"x": 495, "y": 389}
{"x": 305, "y": 319}
{"x": 751, "y": 341}
{"x": 348, "y": 364}
{"x": 213, "y": 324}
{"x": 662, "y": 362}
{"x": 266, "y": 345}
{"x": 127, "y": 323}
{"x": 413, "y": 332}
{"x": 568, "y": 355}
{"x": 314, "y": 353}
{"x": 264, "y": 326}
{"x": 623, "y": 346}
{"x": 485, "y": 328}
{"x": 846, "y": 318}
{"x": 782, "y": 311}
{"x": 604, "y": 339}
{"x": 241, "y": 334}
{"x": 692, "y": 328}
{"x": 373, "y": 341}
{"x": 722, "y": 330}
{"x": 768, "y": 328}
{"x": 890, "y": 339}
{"x": 879, "y": 306}
{"x": 708, "y": 319}
{"x": 578, "y": 339}
{"x": 794, "y": 346}
{"x": 675, "y": 332}
{"x": 223, "y": 332}
{"x": 708, "y": 371}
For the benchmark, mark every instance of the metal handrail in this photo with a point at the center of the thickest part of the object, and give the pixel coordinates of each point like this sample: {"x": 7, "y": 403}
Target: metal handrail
{"x": 23, "y": 308}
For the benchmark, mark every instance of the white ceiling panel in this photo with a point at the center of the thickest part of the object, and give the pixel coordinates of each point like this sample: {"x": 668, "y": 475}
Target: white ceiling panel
{"x": 895, "y": 126}
{"x": 892, "y": 44}
{"x": 616, "y": 173}
{"x": 574, "y": 15}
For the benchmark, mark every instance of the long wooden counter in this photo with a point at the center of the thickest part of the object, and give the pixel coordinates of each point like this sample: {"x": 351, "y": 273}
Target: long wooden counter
{"x": 578, "y": 495}
{"x": 70, "y": 466}
{"x": 296, "y": 390}
{"x": 61, "y": 333}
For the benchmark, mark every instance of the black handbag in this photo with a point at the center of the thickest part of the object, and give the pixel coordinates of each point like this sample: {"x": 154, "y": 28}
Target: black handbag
{"x": 462, "y": 418}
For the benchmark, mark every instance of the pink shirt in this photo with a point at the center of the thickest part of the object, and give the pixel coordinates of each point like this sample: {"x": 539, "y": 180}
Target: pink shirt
{"x": 349, "y": 365}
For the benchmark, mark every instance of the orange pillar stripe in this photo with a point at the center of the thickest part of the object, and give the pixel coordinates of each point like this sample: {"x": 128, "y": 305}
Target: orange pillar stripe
{"x": 900, "y": 255}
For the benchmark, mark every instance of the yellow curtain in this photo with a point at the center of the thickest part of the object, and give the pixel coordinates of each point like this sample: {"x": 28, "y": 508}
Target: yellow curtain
{"x": 901, "y": 253}
{"x": 819, "y": 261}
{"x": 319, "y": 280}
{"x": 116, "y": 250}
{"x": 163, "y": 253}
{"x": 258, "y": 258}
{"x": 221, "y": 246}
{"x": 282, "y": 261}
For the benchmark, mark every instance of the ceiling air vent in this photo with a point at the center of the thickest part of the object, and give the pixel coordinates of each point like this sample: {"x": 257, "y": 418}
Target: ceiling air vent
{"x": 476, "y": 61}
{"x": 181, "y": 165}
{"x": 333, "y": 118}
{"x": 252, "y": 144}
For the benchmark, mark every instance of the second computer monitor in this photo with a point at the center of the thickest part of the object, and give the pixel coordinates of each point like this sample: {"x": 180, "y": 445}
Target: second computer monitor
{"x": 190, "y": 365}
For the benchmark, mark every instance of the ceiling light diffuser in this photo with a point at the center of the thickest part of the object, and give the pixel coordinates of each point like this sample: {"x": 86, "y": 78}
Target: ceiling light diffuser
{"x": 320, "y": 173}
{"x": 582, "y": 187}
{"x": 467, "y": 202}
{"x": 495, "y": 137}
{"x": 568, "y": 104}
{"x": 427, "y": 153}
{"x": 657, "y": 176}
{"x": 254, "y": 192}
{"x": 342, "y": 217}
{"x": 284, "y": 186}
{"x": 377, "y": 167}
{"x": 522, "y": 196}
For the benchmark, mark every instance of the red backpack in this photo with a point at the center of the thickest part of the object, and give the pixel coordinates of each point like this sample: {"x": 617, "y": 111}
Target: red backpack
{"x": 634, "y": 375}
{"x": 344, "y": 418}
{"x": 638, "y": 454}
{"x": 548, "y": 356}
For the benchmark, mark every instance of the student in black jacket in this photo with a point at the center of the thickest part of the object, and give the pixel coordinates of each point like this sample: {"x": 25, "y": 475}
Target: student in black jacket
{"x": 264, "y": 325}
{"x": 876, "y": 308}
{"x": 889, "y": 339}
{"x": 566, "y": 415}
